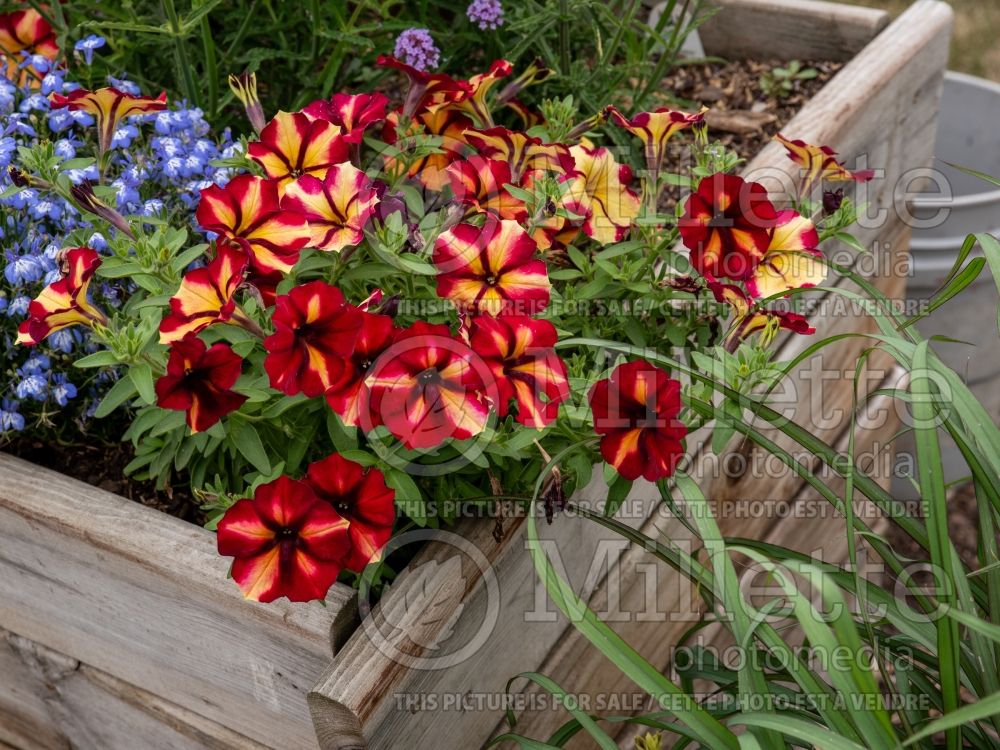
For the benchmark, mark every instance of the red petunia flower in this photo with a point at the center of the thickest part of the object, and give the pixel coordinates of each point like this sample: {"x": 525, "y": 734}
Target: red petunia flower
{"x": 655, "y": 129}
{"x": 748, "y": 320}
{"x": 108, "y": 106}
{"x": 292, "y": 145}
{"x": 519, "y": 351}
{"x": 350, "y": 396}
{"x": 25, "y": 31}
{"x": 206, "y": 296}
{"x": 354, "y": 113}
{"x": 362, "y": 498}
{"x": 491, "y": 269}
{"x": 448, "y": 126}
{"x": 480, "y": 184}
{"x": 426, "y": 389}
{"x": 600, "y": 192}
{"x": 337, "y": 207}
{"x": 819, "y": 163}
{"x": 727, "y": 225}
{"x": 64, "y": 303}
{"x": 248, "y": 214}
{"x": 315, "y": 330}
{"x": 428, "y": 92}
{"x": 474, "y": 103}
{"x": 199, "y": 380}
{"x": 286, "y": 541}
{"x": 791, "y": 261}
{"x": 635, "y": 410}
{"x": 522, "y": 153}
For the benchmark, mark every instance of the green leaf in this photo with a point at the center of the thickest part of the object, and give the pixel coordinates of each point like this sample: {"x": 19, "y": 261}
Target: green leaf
{"x": 97, "y": 359}
{"x": 120, "y": 392}
{"x": 597, "y": 734}
{"x": 245, "y": 438}
{"x": 982, "y": 709}
{"x": 141, "y": 374}
{"x": 991, "y": 249}
{"x": 809, "y": 732}
{"x": 975, "y": 173}
{"x": 617, "y": 493}
{"x": 409, "y": 499}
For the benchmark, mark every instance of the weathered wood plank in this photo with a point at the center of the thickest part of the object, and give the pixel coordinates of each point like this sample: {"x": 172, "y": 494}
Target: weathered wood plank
{"x": 143, "y": 596}
{"x": 49, "y": 700}
{"x": 790, "y": 29}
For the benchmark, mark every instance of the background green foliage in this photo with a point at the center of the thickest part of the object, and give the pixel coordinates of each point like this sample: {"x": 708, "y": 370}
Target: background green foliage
{"x": 306, "y": 50}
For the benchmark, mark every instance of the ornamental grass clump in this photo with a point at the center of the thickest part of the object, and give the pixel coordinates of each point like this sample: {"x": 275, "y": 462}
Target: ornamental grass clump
{"x": 400, "y": 307}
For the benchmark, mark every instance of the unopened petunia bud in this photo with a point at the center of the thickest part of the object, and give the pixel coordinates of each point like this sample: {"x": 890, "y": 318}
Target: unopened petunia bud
{"x": 685, "y": 284}
{"x": 244, "y": 86}
{"x": 87, "y": 200}
{"x": 537, "y": 72}
{"x": 23, "y": 179}
{"x": 581, "y": 129}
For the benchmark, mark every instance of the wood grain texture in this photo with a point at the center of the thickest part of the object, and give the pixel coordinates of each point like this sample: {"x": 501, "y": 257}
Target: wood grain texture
{"x": 50, "y": 701}
{"x": 789, "y": 29}
{"x": 144, "y": 597}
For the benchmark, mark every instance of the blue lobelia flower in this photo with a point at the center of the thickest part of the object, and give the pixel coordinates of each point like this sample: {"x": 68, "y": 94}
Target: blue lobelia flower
{"x": 87, "y": 45}
{"x": 22, "y": 269}
{"x": 10, "y": 419}
{"x": 62, "y": 389}
{"x": 63, "y": 340}
{"x": 33, "y": 385}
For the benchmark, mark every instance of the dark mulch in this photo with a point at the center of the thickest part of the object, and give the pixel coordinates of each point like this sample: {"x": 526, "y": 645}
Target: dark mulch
{"x": 104, "y": 466}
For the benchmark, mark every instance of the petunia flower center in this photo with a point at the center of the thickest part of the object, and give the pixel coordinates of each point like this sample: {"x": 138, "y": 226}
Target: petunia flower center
{"x": 491, "y": 280}
{"x": 285, "y": 534}
{"x": 430, "y": 375}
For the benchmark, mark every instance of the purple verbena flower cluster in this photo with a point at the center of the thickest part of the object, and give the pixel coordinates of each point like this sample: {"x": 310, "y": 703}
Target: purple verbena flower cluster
{"x": 487, "y": 14}
{"x": 416, "y": 47}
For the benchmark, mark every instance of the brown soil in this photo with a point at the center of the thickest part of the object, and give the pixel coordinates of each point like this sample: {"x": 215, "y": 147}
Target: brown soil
{"x": 741, "y": 115}
{"x": 103, "y": 466}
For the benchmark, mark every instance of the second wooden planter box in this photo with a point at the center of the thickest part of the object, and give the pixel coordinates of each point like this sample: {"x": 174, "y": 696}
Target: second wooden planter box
{"x": 117, "y": 623}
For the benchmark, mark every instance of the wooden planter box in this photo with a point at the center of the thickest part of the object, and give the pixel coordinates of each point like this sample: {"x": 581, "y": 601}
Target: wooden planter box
{"x": 118, "y": 626}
